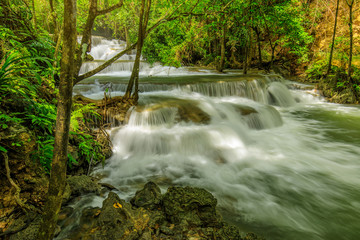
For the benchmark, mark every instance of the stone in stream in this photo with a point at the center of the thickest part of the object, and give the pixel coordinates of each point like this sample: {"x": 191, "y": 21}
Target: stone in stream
{"x": 181, "y": 213}
{"x": 149, "y": 197}
{"x": 83, "y": 184}
{"x": 193, "y": 206}
{"x": 78, "y": 185}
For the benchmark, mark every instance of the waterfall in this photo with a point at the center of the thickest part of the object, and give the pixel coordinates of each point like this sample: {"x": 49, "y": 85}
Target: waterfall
{"x": 282, "y": 163}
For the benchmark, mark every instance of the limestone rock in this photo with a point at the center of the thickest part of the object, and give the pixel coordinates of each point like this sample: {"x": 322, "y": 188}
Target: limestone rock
{"x": 149, "y": 197}
{"x": 83, "y": 184}
{"x": 196, "y": 206}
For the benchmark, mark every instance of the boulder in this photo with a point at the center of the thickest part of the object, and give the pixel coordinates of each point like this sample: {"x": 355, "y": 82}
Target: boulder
{"x": 149, "y": 197}
{"x": 181, "y": 213}
{"x": 191, "y": 205}
{"x": 82, "y": 184}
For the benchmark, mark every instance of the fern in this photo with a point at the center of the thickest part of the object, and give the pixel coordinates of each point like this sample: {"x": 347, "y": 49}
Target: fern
{"x": 80, "y": 116}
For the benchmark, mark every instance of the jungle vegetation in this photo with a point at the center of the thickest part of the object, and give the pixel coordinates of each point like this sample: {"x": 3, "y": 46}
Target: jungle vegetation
{"x": 41, "y": 56}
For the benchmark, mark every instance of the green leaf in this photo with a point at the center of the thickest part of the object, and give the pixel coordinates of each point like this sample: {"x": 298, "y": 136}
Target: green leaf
{"x": 2, "y": 149}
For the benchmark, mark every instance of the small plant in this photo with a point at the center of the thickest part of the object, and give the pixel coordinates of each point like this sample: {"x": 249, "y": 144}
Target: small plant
{"x": 81, "y": 116}
{"x": 317, "y": 70}
{"x": 42, "y": 116}
{"x": 45, "y": 151}
{"x": 6, "y": 120}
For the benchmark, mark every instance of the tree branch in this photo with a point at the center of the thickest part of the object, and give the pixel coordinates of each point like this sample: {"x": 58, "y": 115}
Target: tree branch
{"x": 113, "y": 7}
{"x": 105, "y": 65}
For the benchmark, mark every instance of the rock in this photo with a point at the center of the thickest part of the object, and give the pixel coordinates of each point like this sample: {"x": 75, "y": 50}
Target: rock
{"x": 195, "y": 206}
{"x": 82, "y": 184}
{"x": 118, "y": 220}
{"x": 30, "y": 232}
{"x": 187, "y": 110}
{"x": 108, "y": 186}
{"x": 149, "y": 197}
{"x": 181, "y": 213}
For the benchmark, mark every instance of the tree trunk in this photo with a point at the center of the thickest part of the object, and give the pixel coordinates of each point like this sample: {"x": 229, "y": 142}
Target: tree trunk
{"x": 143, "y": 21}
{"x": 350, "y": 4}
{"x": 350, "y": 80}
{"x": 85, "y": 45}
{"x": 53, "y": 21}
{"x": 58, "y": 166}
{"x": 273, "y": 47}
{"x": 221, "y": 65}
{"x": 127, "y": 37}
{"x": 333, "y": 39}
{"x": 245, "y": 63}
{"x": 34, "y": 13}
{"x": 259, "y": 47}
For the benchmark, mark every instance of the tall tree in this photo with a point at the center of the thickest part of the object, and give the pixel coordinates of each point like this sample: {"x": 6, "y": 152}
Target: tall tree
{"x": 333, "y": 39}
{"x": 350, "y": 3}
{"x": 58, "y": 169}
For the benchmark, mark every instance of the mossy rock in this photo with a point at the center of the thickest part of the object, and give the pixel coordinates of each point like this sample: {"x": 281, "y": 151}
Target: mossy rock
{"x": 83, "y": 184}
{"x": 149, "y": 197}
{"x": 195, "y": 206}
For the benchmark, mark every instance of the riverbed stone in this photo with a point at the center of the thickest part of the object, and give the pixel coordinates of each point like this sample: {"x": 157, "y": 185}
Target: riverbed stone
{"x": 149, "y": 197}
{"x": 83, "y": 184}
{"x": 191, "y": 205}
{"x": 181, "y": 213}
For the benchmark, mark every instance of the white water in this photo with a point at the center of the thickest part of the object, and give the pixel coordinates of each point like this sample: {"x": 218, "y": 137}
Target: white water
{"x": 288, "y": 169}
{"x": 103, "y": 50}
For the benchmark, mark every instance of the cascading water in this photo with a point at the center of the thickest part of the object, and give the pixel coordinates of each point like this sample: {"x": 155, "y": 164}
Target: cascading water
{"x": 282, "y": 168}
{"x": 103, "y": 50}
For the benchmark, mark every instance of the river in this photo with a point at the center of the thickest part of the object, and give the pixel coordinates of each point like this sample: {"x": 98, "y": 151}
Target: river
{"x": 281, "y": 161}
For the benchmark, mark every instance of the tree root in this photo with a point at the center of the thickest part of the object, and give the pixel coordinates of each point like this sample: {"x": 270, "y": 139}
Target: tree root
{"x": 24, "y": 207}
{"x": 17, "y": 188}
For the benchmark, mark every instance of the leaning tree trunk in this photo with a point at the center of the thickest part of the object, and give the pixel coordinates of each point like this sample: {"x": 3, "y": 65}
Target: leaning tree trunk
{"x": 333, "y": 39}
{"x": 58, "y": 166}
{"x": 143, "y": 21}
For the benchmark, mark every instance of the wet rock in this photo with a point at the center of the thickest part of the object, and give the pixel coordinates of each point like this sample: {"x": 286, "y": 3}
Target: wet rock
{"x": 82, "y": 184}
{"x": 195, "y": 206}
{"x": 108, "y": 186}
{"x": 149, "y": 197}
{"x": 337, "y": 89}
{"x": 245, "y": 110}
{"x": 118, "y": 220}
{"x": 181, "y": 213}
{"x": 30, "y": 231}
{"x": 187, "y": 110}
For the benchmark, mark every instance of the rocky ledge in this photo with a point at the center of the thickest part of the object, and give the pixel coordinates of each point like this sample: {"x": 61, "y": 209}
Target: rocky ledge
{"x": 180, "y": 213}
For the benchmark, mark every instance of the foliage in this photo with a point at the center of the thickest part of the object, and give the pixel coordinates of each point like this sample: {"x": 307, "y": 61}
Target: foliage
{"x": 81, "y": 116}
{"x": 11, "y": 80}
{"x": 44, "y": 153}
{"x": 42, "y": 117}
{"x": 317, "y": 70}
{"x": 8, "y": 120}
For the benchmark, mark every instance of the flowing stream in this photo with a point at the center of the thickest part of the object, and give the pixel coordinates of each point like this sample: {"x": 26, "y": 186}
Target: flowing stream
{"x": 281, "y": 161}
